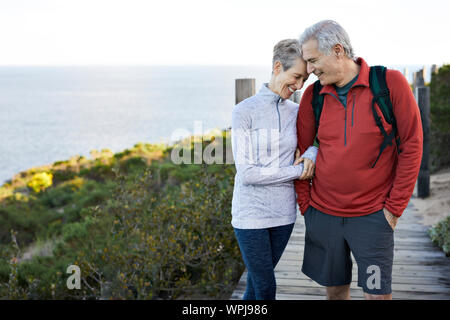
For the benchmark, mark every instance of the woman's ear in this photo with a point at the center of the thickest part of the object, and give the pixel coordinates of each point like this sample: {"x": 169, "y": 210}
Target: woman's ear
{"x": 277, "y": 68}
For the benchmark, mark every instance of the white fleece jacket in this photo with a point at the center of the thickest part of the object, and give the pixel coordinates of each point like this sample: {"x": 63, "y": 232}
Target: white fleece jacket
{"x": 264, "y": 140}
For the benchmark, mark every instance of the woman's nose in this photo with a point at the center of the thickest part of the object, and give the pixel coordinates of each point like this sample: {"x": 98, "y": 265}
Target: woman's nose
{"x": 309, "y": 67}
{"x": 299, "y": 84}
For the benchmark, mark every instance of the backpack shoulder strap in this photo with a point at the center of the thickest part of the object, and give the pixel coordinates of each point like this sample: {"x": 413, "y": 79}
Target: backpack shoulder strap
{"x": 317, "y": 101}
{"x": 380, "y": 91}
{"x": 381, "y": 95}
{"x": 317, "y": 105}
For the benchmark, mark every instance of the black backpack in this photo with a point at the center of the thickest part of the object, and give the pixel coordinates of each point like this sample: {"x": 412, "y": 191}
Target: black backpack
{"x": 381, "y": 95}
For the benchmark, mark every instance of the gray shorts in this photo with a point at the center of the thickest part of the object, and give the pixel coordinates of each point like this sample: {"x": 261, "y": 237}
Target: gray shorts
{"x": 329, "y": 241}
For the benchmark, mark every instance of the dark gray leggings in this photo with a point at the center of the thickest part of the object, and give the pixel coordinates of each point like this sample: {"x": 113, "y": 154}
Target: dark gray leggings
{"x": 261, "y": 250}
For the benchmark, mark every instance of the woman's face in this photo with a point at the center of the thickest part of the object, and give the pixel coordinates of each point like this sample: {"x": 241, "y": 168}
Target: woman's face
{"x": 286, "y": 82}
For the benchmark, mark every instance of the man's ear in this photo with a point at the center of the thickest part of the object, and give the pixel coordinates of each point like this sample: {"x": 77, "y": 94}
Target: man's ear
{"x": 338, "y": 50}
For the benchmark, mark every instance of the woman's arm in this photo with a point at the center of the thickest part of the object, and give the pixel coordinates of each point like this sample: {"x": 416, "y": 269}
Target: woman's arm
{"x": 246, "y": 166}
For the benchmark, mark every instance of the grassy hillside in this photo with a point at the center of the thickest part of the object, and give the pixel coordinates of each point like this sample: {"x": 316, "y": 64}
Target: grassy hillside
{"x": 137, "y": 225}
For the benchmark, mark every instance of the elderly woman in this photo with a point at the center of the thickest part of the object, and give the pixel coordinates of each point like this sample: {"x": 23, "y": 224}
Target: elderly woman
{"x": 264, "y": 142}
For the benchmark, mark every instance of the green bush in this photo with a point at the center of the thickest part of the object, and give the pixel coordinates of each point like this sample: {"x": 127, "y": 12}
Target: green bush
{"x": 29, "y": 219}
{"x": 440, "y": 235}
{"x": 440, "y": 119}
{"x": 177, "y": 246}
{"x": 155, "y": 231}
{"x": 440, "y": 98}
{"x": 43, "y": 215}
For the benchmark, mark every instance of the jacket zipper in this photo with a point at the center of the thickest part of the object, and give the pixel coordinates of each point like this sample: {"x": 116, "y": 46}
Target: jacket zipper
{"x": 353, "y": 108}
{"x": 279, "y": 118}
{"x": 345, "y": 123}
{"x": 345, "y": 129}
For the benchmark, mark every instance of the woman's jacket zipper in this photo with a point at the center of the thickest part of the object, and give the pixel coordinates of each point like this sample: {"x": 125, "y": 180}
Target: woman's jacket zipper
{"x": 279, "y": 118}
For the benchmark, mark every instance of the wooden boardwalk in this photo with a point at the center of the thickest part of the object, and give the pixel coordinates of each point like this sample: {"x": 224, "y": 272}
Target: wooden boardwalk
{"x": 420, "y": 271}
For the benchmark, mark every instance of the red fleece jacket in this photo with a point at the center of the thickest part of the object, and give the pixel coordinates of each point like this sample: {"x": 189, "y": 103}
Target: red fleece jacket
{"x": 345, "y": 184}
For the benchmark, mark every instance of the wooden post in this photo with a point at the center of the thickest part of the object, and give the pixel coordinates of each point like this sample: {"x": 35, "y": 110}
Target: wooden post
{"x": 244, "y": 88}
{"x": 419, "y": 80}
{"x": 434, "y": 69}
{"x": 405, "y": 73}
{"x": 423, "y": 181}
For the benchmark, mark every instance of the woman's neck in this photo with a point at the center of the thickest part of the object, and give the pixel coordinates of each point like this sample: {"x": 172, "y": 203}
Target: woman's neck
{"x": 272, "y": 86}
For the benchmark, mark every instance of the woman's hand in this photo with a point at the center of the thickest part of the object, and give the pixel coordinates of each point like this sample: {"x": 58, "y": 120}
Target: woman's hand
{"x": 308, "y": 166}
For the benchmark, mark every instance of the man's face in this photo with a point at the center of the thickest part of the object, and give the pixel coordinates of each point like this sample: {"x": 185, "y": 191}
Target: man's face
{"x": 325, "y": 67}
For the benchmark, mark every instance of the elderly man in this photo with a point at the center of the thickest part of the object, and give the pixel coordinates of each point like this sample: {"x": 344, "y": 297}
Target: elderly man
{"x": 366, "y": 167}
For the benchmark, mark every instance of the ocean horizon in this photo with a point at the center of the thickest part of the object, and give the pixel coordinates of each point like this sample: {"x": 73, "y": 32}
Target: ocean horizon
{"x": 51, "y": 113}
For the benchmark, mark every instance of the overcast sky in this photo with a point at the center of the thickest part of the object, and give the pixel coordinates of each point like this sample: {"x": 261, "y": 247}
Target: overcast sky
{"x": 230, "y": 32}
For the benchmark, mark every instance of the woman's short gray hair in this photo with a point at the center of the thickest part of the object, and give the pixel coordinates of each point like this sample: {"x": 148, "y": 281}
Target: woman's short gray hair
{"x": 286, "y": 51}
{"x": 328, "y": 33}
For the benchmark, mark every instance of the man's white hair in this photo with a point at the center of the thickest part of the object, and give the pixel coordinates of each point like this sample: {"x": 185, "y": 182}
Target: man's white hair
{"x": 328, "y": 33}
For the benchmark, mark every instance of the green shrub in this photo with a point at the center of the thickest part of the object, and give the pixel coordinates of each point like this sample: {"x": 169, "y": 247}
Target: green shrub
{"x": 57, "y": 197}
{"x": 179, "y": 245}
{"x": 440, "y": 98}
{"x": 440, "y": 235}
{"x": 29, "y": 219}
{"x": 136, "y": 228}
{"x": 44, "y": 214}
{"x": 133, "y": 164}
{"x": 440, "y": 119}
{"x": 146, "y": 245}
{"x": 77, "y": 230}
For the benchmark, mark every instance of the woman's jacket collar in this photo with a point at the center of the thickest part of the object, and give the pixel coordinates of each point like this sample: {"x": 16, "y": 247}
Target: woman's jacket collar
{"x": 268, "y": 95}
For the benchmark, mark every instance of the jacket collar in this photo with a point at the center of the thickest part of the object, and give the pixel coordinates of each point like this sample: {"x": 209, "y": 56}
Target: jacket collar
{"x": 268, "y": 95}
{"x": 363, "y": 78}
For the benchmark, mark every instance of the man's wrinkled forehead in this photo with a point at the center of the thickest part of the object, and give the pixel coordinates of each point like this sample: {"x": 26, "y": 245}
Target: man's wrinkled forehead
{"x": 310, "y": 50}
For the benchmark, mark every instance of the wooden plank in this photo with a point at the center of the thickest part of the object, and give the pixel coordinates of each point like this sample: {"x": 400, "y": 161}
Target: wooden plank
{"x": 396, "y": 272}
{"x": 355, "y": 294}
{"x": 398, "y": 253}
{"x": 408, "y": 258}
{"x": 398, "y": 279}
{"x": 444, "y": 270}
{"x": 420, "y": 269}
{"x": 302, "y": 283}
{"x": 400, "y": 239}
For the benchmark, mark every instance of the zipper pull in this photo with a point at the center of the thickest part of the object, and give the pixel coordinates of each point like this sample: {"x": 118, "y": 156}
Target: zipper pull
{"x": 279, "y": 118}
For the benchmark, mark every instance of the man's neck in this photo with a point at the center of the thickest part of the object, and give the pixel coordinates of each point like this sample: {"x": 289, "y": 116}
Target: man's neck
{"x": 350, "y": 71}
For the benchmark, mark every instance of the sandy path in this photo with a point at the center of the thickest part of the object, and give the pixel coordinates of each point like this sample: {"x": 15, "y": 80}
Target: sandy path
{"x": 436, "y": 207}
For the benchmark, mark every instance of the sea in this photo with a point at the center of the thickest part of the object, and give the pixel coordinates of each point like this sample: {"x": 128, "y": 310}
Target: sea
{"x": 51, "y": 113}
